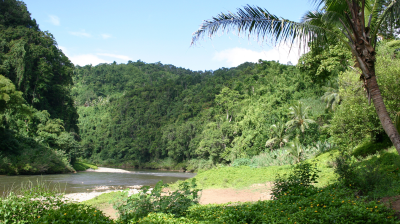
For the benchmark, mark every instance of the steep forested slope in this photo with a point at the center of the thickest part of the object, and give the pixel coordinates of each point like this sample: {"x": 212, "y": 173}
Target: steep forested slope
{"x": 38, "y": 119}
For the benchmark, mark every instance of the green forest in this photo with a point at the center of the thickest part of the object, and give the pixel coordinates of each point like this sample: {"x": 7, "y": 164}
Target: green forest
{"x": 153, "y": 115}
{"x": 324, "y": 133}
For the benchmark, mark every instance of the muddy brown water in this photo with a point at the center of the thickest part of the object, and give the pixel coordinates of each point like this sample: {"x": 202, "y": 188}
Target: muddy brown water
{"x": 88, "y": 181}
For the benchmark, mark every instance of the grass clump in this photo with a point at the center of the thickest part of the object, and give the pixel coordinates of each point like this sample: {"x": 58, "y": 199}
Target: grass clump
{"x": 43, "y": 203}
{"x": 81, "y": 165}
{"x": 370, "y": 148}
{"x": 374, "y": 176}
{"x": 104, "y": 200}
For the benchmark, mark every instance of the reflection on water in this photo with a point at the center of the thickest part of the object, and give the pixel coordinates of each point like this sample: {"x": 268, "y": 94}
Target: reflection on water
{"x": 87, "y": 181}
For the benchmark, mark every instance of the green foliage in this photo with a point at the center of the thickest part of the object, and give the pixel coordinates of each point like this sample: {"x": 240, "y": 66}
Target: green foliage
{"x": 397, "y": 121}
{"x": 38, "y": 120}
{"x": 331, "y": 95}
{"x": 153, "y": 200}
{"x": 369, "y": 148}
{"x": 300, "y": 181}
{"x": 241, "y": 162}
{"x": 322, "y": 65}
{"x": 9, "y": 97}
{"x": 146, "y": 113}
{"x": 82, "y": 166}
{"x": 73, "y": 213}
{"x": 296, "y": 149}
{"x": 42, "y": 203}
{"x": 374, "y": 176}
{"x": 106, "y": 199}
{"x": 164, "y": 218}
{"x": 27, "y": 203}
{"x": 14, "y": 13}
{"x": 354, "y": 119}
{"x": 332, "y": 204}
{"x": 278, "y": 135}
{"x": 299, "y": 116}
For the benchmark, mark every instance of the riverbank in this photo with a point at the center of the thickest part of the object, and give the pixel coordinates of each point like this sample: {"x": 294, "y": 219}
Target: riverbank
{"x": 101, "y": 200}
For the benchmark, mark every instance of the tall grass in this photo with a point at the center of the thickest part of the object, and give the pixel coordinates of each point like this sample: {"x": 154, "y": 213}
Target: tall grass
{"x": 282, "y": 157}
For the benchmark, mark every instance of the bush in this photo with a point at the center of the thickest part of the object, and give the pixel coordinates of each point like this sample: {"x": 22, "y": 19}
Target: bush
{"x": 25, "y": 204}
{"x": 370, "y": 177}
{"x": 176, "y": 203}
{"x": 300, "y": 181}
{"x": 241, "y": 162}
{"x": 73, "y": 213}
{"x": 370, "y": 148}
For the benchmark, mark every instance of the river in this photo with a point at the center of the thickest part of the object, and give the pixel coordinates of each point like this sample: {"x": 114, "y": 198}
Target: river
{"x": 88, "y": 181}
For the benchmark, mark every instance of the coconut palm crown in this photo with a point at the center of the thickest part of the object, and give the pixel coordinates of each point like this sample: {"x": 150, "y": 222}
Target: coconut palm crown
{"x": 278, "y": 135}
{"x": 299, "y": 113}
{"x": 356, "y": 23}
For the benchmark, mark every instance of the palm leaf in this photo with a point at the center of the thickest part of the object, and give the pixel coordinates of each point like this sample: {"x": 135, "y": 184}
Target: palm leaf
{"x": 261, "y": 23}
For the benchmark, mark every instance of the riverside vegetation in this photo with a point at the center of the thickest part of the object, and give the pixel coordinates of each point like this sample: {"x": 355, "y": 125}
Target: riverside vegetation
{"x": 308, "y": 128}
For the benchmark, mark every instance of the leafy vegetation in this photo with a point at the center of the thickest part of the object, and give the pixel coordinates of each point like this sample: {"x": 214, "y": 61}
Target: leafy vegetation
{"x": 38, "y": 121}
{"x": 309, "y": 128}
{"x": 155, "y": 200}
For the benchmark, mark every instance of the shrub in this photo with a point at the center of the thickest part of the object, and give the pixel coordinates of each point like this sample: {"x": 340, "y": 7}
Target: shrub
{"x": 368, "y": 177}
{"x": 25, "y": 204}
{"x": 369, "y": 148}
{"x": 73, "y": 213}
{"x": 176, "y": 203}
{"x": 298, "y": 182}
{"x": 163, "y": 218}
{"x": 241, "y": 162}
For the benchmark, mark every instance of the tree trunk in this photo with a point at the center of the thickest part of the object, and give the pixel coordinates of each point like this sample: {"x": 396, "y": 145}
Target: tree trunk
{"x": 383, "y": 115}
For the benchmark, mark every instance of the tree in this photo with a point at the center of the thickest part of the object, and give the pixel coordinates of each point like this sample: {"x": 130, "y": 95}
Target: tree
{"x": 331, "y": 96}
{"x": 296, "y": 149}
{"x": 300, "y": 118}
{"x": 355, "y": 23}
{"x": 278, "y": 135}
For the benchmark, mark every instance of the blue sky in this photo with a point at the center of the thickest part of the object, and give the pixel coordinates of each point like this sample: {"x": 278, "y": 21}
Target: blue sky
{"x": 99, "y": 31}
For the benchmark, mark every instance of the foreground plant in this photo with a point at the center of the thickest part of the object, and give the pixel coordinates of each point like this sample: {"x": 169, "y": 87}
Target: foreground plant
{"x": 43, "y": 203}
{"x": 155, "y": 200}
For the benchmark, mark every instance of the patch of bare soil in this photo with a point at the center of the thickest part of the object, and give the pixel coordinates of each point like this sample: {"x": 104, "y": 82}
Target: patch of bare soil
{"x": 253, "y": 193}
{"x": 109, "y": 211}
{"x": 218, "y": 196}
{"x": 393, "y": 203}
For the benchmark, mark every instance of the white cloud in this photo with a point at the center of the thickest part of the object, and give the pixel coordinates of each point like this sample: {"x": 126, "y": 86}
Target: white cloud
{"x": 237, "y": 56}
{"x": 86, "y": 59}
{"x": 54, "y": 20}
{"x": 106, "y": 36}
{"x": 81, "y": 33}
{"x": 123, "y": 57}
{"x": 64, "y": 49}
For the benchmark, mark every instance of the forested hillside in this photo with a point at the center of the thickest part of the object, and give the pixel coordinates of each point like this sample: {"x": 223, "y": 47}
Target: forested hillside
{"x": 160, "y": 116}
{"x": 138, "y": 112}
{"x": 38, "y": 121}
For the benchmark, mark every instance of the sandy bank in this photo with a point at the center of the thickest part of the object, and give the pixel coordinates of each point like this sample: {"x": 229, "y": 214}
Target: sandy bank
{"x": 209, "y": 196}
{"x": 108, "y": 170}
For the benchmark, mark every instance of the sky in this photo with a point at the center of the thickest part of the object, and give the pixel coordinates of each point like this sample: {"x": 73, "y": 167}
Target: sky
{"x": 100, "y": 31}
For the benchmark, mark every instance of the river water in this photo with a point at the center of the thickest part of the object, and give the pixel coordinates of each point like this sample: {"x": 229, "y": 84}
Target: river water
{"x": 88, "y": 181}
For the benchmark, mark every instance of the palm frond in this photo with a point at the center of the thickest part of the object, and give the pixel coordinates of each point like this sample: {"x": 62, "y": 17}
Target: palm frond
{"x": 261, "y": 23}
{"x": 389, "y": 14}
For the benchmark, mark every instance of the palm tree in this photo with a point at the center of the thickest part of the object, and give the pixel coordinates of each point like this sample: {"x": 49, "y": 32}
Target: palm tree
{"x": 296, "y": 149}
{"x": 331, "y": 96}
{"x": 278, "y": 135}
{"x": 300, "y": 118}
{"x": 356, "y": 23}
